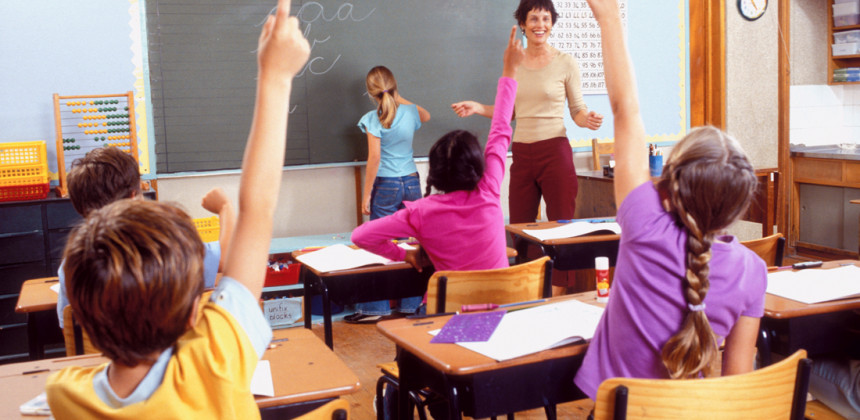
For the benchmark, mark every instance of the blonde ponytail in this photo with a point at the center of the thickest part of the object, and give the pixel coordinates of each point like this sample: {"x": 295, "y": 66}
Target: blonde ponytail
{"x": 383, "y": 88}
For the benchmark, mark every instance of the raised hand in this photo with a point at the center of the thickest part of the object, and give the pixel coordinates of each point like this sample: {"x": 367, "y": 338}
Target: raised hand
{"x": 514, "y": 55}
{"x": 282, "y": 49}
{"x": 215, "y": 200}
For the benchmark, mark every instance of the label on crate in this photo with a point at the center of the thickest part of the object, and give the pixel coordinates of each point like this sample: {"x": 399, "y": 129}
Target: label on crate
{"x": 283, "y": 311}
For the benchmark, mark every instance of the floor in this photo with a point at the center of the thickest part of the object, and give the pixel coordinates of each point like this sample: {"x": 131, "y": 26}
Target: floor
{"x": 362, "y": 347}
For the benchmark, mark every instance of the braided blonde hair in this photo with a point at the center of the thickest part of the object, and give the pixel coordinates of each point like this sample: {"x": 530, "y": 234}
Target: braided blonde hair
{"x": 382, "y": 87}
{"x": 708, "y": 183}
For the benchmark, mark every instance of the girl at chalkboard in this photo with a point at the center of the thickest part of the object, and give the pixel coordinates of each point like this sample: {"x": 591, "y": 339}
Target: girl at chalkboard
{"x": 391, "y": 177}
{"x": 682, "y": 285}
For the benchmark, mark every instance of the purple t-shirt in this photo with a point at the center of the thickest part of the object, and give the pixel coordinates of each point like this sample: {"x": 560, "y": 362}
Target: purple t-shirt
{"x": 646, "y": 301}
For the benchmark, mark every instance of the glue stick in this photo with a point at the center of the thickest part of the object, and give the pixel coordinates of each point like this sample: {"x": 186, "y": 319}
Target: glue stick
{"x": 601, "y": 268}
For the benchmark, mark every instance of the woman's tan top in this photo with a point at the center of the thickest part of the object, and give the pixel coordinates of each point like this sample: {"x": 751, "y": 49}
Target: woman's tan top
{"x": 539, "y": 108}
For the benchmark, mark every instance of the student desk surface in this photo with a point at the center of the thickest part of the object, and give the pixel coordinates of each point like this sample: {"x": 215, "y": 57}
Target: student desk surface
{"x": 478, "y": 385}
{"x": 39, "y": 302}
{"x": 820, "y": 328}
{"x": 306, "y": 374}
{"x": 574, "y": 253}
{"x": 362, "y": 284}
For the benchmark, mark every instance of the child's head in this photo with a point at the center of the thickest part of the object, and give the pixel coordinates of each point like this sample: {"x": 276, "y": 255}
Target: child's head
{"x": 527, "y": 6}
{"x": 707, "y": 183}
{"x": 381, "y": 86}
{"x": 101, "y": 177}
{"x": 134, "y": 270}
{"x": 456, "y": 163}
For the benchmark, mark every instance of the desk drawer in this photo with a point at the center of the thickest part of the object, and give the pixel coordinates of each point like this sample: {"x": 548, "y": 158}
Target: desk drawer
{"x": 7, "y": 310}
{"x": 20, "y": 218}
{"x": 22, "y": 247}
{"x": 12, "y": 276}
{"x": 62, "y": 214}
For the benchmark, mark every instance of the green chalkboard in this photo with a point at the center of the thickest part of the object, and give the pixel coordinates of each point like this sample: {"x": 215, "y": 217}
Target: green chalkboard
{"x": 202, "y": 69}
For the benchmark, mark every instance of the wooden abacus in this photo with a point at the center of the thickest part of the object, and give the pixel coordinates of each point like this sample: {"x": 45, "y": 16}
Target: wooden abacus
{"x": 91, "y": 121}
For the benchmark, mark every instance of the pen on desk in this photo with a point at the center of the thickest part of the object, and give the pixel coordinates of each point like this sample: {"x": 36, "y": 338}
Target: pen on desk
{"x": 52, "y": 281}
{"x": 490, "y": 306}
{"x": 800, "y": 265}
{"x": 32, "y": 372}
{"x": 422, "y": 323}
{"x": 430, "y": 315}
{"x": 507, "y": 305}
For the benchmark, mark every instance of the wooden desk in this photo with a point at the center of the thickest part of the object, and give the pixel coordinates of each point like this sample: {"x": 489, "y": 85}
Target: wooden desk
{"x": 478, "y": 385}
{"x": 568, "y": 253}
{"x": 789, "y": 325}
{"x": 364, "y": 284}
{"x": 305, "y": 374}
{"x": 39, "y": 302}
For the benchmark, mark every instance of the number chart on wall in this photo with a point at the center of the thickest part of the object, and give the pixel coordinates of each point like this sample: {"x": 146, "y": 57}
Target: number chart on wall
{"x": 87, "y": 122}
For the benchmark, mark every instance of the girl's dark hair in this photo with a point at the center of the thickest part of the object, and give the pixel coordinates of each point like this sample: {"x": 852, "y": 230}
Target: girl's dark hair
{"x": 456, "y": 163}
{"x": 708, "y": 183}
{"x": 527, "y": 6}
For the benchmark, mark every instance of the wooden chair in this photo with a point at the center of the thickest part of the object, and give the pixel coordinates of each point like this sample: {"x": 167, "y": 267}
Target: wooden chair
{"x": 775, "y": 392}
{"x": 770, "y": 248}
{"x": 598, "y": 149}
{"x": 76, "y": 339}
{"x": 448, "y": 290}
{"x": 337, "y": 409}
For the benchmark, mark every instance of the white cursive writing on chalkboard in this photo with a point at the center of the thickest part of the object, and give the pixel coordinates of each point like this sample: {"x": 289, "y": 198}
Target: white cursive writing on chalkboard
{"x": 313, "y": 11}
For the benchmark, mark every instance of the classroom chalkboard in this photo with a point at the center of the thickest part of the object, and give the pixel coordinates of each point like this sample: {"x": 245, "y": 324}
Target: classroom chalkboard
{"x": 202, "y": 69}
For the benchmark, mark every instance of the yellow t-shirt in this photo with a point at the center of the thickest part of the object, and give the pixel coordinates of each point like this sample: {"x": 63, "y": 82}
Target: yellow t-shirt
{"x": 208, "y": 377}
{"x": 541, "y": 93}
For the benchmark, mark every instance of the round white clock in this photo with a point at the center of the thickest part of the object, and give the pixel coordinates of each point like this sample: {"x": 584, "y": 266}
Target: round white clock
{"x": 752, "y": 9}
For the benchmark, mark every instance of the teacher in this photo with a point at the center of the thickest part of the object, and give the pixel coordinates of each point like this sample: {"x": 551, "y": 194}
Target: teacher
{"x": 542, "y": 156}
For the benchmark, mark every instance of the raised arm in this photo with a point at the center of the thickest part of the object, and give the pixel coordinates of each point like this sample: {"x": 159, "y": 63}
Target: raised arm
{"x": 631, "y": 158}
{"x": 282, "y": 51}
{"x": 216, "y": 201}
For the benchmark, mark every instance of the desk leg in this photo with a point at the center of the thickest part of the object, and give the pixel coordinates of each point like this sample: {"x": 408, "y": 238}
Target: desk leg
{"x": 522, "y": 247}
{"x": 306, "y": 286}
{"x": 453, "y": 402}
{"x": 327, "y": 316}
{"x": 764, "y": 347}
{"x": 37, "y": 352}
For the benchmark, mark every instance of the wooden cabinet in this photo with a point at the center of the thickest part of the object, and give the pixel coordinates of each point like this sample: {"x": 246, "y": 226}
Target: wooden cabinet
{"x": 841, "y": 61}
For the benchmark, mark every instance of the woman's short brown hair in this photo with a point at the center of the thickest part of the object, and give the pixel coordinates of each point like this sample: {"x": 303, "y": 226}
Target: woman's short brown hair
{"x": 527, "y": 6}
{"x": 133, "y": 271}
{"x": 102, "y": 176}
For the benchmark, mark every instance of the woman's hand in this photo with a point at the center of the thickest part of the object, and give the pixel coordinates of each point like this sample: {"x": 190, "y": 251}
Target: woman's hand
{"x": 593, "y": 120}
{"x": 468, "y": 108}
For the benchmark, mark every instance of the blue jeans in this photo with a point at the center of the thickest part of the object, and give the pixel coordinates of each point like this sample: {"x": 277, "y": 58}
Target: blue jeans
{"x": 836, "y": 382}
{"x": 387, "y": 197}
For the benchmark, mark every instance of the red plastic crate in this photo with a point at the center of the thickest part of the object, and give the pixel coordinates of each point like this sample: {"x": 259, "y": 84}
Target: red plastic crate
{"x": 289, "y": 275}
{"x": 24, "y": 192}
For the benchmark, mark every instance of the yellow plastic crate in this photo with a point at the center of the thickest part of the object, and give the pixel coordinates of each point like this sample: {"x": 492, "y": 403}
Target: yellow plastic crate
{"x": 209, "y": 228}
{"x": 23, "y": 153}
{"x": 13, "y": 175}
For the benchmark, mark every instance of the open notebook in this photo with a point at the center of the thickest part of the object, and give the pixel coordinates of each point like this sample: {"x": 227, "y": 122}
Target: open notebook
{"x": 341, "y": 257}
{"x": 536, "y": 329}
{"x": 814, "y": 286}
{"x": 570, "y": 230}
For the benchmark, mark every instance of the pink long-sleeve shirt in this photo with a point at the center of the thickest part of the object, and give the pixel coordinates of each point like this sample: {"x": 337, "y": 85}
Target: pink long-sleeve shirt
{"x": 460, "y": 230}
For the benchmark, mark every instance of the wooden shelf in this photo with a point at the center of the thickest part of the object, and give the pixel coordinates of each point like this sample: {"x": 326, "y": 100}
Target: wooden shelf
{"x": 840, "y": 61}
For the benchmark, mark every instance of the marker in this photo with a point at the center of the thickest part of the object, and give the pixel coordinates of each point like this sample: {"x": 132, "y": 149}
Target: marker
{"x": 430, "y": 315}
{"x": 801, "y": 265}
{"x": 31, "y": 372}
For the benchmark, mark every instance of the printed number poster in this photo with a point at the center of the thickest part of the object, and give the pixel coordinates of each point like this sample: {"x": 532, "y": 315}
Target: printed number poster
{"x": 469, "y": 327}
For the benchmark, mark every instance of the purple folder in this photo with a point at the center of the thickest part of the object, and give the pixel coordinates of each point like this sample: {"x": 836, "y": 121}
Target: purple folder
{"x": 469, "y": 327}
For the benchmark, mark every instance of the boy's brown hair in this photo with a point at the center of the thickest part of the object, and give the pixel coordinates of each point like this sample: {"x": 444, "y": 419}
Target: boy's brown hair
{"x": 102, "y": 176}
{"x": 134, "y": 269}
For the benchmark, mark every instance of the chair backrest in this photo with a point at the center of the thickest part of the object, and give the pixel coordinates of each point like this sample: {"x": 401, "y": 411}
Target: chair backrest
{"x": 448, "y": 290}
{"x": 74, "y": 336}
{"x": 769, "y": 248}
{"x": 775, "y": 392}
{"x": 598, "y": 149}
{"x": 337, "y": 409}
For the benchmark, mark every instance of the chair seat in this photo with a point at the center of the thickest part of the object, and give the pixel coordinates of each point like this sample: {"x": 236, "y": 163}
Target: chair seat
{"x": 390, "y": 368}
{"x": 816, "y": 410}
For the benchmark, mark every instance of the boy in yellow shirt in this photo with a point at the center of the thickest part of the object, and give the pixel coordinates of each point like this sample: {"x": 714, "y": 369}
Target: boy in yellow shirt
{"x": 135, "y": 275}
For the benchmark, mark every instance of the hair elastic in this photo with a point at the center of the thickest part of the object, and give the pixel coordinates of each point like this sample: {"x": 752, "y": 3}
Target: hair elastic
{"x": 696, "y": 308}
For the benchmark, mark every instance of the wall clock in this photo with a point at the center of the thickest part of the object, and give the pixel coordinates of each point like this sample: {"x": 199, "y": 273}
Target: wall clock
{"x": 752, "y": 9}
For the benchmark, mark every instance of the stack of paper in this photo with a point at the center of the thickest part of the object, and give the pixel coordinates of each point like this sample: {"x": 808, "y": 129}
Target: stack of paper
{"x": 536, "y": 329}
{"x": 570, "y": 230}
{"x": 814, "y": 286}
{"x": 340, "y": 257}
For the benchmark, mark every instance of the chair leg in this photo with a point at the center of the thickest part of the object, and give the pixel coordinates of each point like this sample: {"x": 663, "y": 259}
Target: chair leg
{"x": 419, "y": 404}
{"x": 393, "y": 386}
{"x": 551, "y": 413}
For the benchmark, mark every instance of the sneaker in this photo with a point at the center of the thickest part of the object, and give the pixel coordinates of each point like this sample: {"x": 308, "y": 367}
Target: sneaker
{"x": 358, "y": 318}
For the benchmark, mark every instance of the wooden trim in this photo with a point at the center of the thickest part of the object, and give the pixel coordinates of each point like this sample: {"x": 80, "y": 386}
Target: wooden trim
{"x": 786, "y": 192}
{"x": 707, "y": 63}
{"x": 359, "y": 218}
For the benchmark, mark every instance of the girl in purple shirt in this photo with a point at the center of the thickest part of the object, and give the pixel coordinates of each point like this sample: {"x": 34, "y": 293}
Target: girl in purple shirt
{"x": 680, "y": 287}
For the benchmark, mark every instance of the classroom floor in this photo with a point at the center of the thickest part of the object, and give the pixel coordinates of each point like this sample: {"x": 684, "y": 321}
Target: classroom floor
{"x": 362, "y": 347}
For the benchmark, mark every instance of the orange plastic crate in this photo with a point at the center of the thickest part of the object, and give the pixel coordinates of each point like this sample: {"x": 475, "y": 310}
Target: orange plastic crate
{"x": 24, "y": 192}
{"x": 23, "y": 164}
{"x": 23, "y": 153}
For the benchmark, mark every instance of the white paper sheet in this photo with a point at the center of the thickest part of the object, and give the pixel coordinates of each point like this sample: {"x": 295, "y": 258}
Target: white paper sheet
{"x": 814, "y": 286}
{"x": 570, "y": 230}
{"x": 535, "y": 329}
{"x": 261, "y": 382}
{"x": 340, "y": 257}
{"x": 56, "y": 288}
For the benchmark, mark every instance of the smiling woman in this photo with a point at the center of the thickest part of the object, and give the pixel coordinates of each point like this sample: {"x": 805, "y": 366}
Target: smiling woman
{"x": 542, "y": 157}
